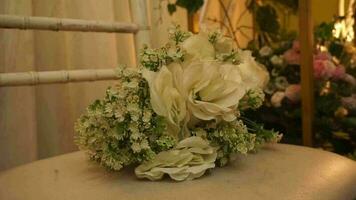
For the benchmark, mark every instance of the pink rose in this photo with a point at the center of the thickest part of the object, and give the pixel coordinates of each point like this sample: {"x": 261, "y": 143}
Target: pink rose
{"x": 293, "y": 92}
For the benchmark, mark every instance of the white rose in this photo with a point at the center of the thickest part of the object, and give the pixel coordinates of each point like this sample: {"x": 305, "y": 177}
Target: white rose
{"x": 198, "y": 47}
{"x": 276, "y": 60}
{"x": 254, "y": 75}
{"x": 265, "y": 51}
{"x": 166, "y": 100}
{"x": 201, "y": 88}
{"x": 213, "y": 89}
{"x": 206, "y": 89}
{"x": 276, "y": 99}
{"x": 224, "y": 45}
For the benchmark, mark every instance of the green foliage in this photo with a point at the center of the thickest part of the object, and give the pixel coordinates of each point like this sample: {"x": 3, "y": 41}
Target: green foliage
{"x": 252, "y": 100}
{"x": 230, "y": 137}
{"x": 153, "y": 59}
{"x": 122, "y": 128}
{"x": 267, "y": 19}
{"x": 336, "y": 48}
{"x": 177, "y": 35}
{"x": 349, "y": 122}
{"x": 262, "y": 135}
{"x": 235, "y": 137}
{"x": 191, "y": 6}
{"x": 324, "y": 32}
{"x": 172, "y": 8}
{"x": 288, "y": 4}
{"x": 327, "y": 104}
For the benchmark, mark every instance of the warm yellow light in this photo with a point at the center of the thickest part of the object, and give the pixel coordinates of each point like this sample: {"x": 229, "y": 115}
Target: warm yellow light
{"x": 338, "y": 28}
{"x": 344, "y": 30}
{"x": 344, "y": 27}
{"x": 326, "y": 89}
{"x": 321, "y": 48}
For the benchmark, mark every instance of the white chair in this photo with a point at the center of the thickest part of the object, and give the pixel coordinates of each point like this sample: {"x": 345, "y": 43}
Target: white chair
{"x": 140, "y": 28}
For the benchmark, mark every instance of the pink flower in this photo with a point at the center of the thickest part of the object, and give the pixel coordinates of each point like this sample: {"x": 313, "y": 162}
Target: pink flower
{"x": 296, "y": 45}
{"x": 349, "y": 102}
{"x": 339, "y": 72}
{"x": 293, "y": 92}
{"x": 276, "y": 99}
{"x": 323, "y": 56}
{"x": 319, "y": 69}
{"x": 329, "y": 68}
{"x": 325, "y": 69}
{"x": 292, "y": 57}
{"x": 349, "y": 79}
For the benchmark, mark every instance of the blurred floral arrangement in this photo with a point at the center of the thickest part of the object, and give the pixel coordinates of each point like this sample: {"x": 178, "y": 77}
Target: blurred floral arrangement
{"x": 335, "y": 92}
{"x": 178, "y": 113}
{"x": 334, "y": 72}
{"x": 264, "y": 14}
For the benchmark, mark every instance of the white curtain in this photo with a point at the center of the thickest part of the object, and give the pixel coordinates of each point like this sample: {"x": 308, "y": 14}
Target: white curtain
{"x": 37, "y": 122}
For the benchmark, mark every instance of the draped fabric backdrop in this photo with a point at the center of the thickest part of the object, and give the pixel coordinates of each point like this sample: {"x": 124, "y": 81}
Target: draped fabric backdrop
{"x": 37, "y": 121}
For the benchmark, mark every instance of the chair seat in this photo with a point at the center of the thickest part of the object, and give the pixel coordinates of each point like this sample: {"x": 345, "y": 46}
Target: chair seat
{"x": 276, "y": 172}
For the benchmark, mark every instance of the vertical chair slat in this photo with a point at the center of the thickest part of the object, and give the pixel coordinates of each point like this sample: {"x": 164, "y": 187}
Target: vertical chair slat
{"x": 307, "y": 78}
{"x": 140, "y": 16}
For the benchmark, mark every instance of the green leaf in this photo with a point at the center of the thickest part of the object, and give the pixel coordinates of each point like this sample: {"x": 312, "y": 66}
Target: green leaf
{"x": 324, "y": 31}
{"x": 336, "y": 48}
{"x": 267, "y": 19}
{"x": 191, "y": 6}
{"x": 120, "y": 128}
{"x": 172, "y": 8}
{"x": 349, "y": 122}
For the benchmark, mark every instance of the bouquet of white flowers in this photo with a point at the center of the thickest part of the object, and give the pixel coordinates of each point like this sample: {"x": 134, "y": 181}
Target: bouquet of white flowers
{"x": 178, "y": 113}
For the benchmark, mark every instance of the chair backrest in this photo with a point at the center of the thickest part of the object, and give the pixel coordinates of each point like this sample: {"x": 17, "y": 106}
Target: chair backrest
{"x": 139, "y": 27}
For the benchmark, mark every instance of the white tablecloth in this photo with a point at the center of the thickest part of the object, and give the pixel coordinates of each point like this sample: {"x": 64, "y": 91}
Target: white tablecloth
{"x": 276, "y": 172}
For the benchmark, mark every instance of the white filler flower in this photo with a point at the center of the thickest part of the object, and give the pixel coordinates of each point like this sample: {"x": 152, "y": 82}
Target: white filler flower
{"x": 265, "y": 51}
{"x": 276, "y": 60}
